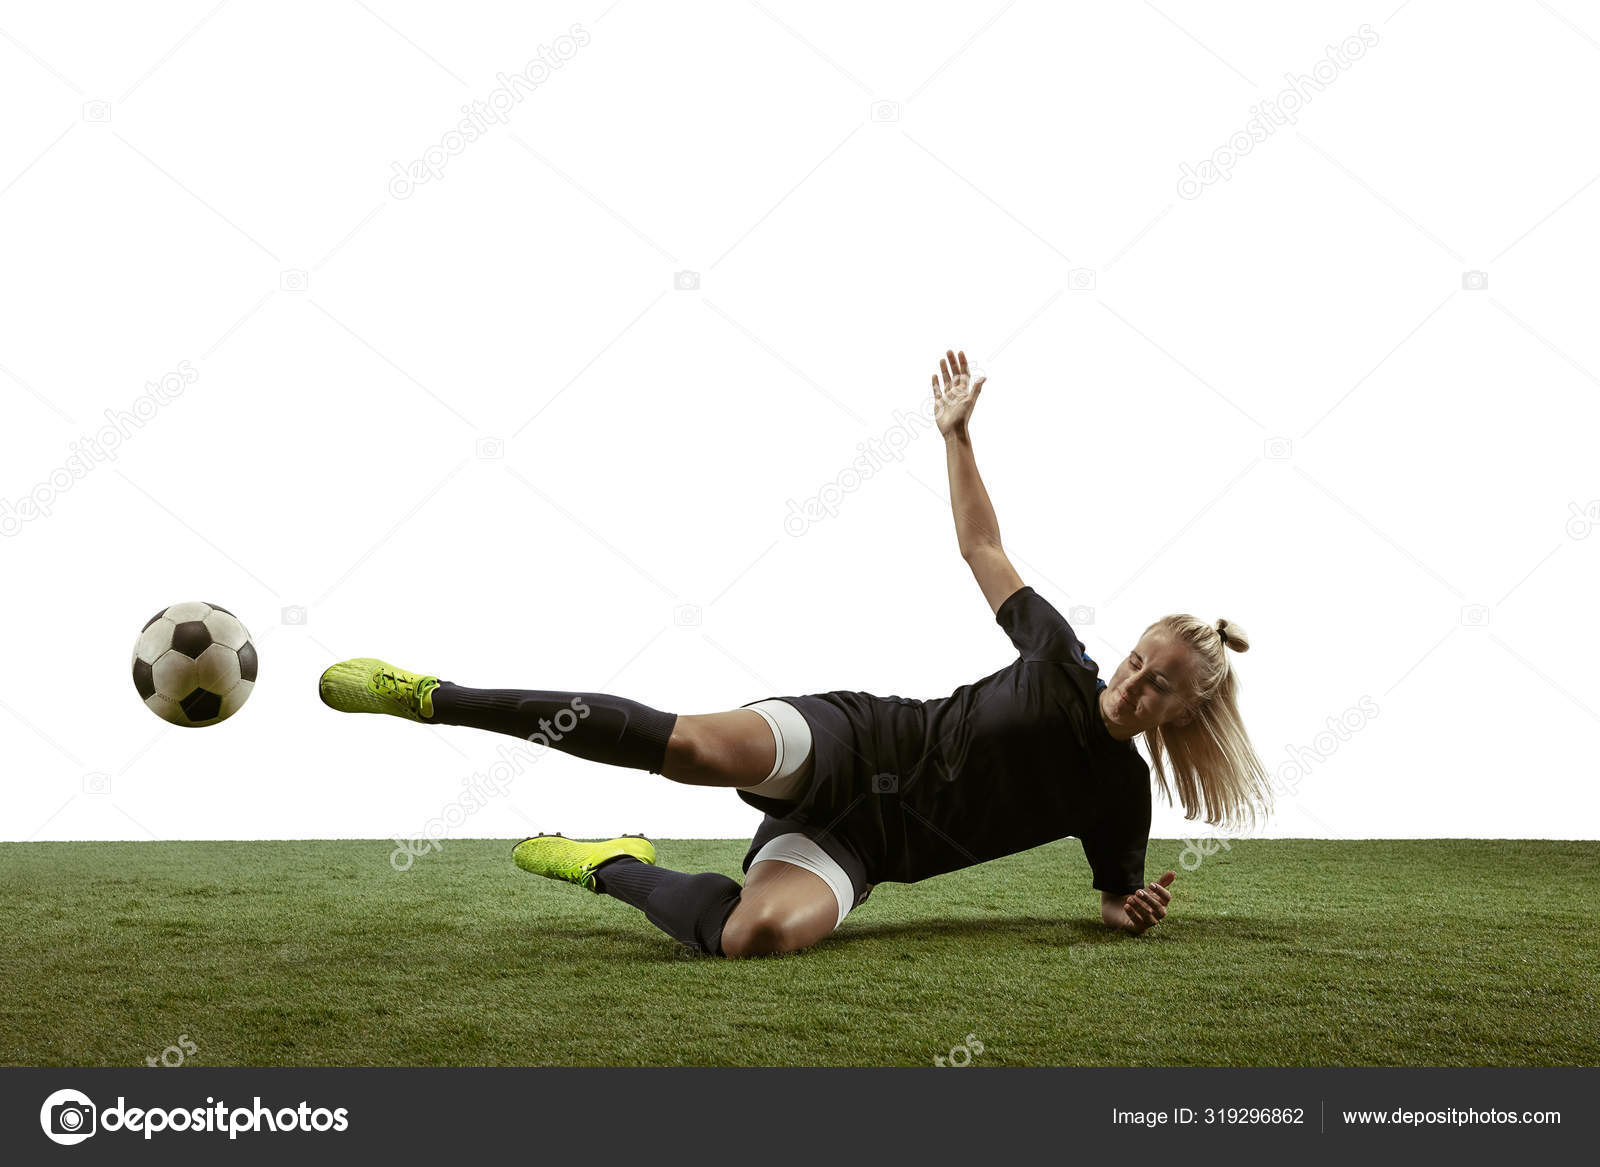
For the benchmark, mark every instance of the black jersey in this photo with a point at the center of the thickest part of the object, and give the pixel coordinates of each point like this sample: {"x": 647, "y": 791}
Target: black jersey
{"x": 1009, "y": 762}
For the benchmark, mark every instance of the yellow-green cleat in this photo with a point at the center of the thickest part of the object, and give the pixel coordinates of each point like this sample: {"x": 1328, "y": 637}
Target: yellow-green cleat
{"x": 557, "y": 857}
{"x": 366, "y": 685}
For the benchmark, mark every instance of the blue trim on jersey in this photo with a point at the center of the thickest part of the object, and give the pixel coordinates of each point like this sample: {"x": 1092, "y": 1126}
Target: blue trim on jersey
{"x": 1099, "y": 682}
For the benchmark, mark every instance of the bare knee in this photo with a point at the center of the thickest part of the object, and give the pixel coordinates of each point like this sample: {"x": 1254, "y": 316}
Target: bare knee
{"x": 719, "y": 749}
{"x": 756, "y": 929}
{"x": 685, "y": 759}
{"x": 695, "y": 755}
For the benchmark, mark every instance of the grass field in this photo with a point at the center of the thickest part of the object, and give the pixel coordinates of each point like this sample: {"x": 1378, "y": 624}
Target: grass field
{"x": 1277, "y": 952}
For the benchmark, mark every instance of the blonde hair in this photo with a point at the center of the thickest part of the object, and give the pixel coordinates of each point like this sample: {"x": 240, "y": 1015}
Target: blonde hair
{"x": 1212, "y": 761}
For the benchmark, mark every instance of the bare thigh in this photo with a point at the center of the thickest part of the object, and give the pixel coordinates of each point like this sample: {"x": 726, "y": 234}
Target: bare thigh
{"x": 784, "y": 907}
{"x": 720, "y": 749}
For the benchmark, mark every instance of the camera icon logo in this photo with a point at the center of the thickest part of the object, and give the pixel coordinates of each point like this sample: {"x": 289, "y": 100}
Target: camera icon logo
{"x": 885, "y": 783}
{"x": 97, "y": 784}
{"x": 490, "y": 449}
{"x": 886, "y": 111}
{"x": 1278, "y": 449}
{"x": 686, "y": 281}
{"x": 1474, "y": 615}
{"x": 1080, "y": 614}
{"x": 293, "y": 614}
{"x": 68, "y": 1117}
{"x": 1081, "y": 279}
{"x": 98, "y": 110}
{"x": 294, "y": 281}
{"x": 1474, "y": 281}
{"x": 686, "y": 615}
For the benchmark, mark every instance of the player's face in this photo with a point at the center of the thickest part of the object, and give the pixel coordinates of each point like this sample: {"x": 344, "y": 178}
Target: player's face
{"x": 1149, "y": 686}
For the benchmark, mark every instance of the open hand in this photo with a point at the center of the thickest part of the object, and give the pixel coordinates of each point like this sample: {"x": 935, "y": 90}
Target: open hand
{"x": 1147, "y": 906}
{"x": 954, "y": 405}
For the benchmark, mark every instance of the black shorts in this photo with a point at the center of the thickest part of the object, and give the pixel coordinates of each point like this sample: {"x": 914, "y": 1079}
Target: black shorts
{"x": 837, "y": 848}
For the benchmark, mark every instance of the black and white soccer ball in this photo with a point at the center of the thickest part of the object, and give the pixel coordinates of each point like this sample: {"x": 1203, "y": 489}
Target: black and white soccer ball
{"x": 194, "y": 664}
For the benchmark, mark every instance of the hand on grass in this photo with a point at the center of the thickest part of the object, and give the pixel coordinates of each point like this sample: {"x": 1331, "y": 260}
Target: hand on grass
{"x": 1146, "y": 907}
{"x": 953, "y": 407}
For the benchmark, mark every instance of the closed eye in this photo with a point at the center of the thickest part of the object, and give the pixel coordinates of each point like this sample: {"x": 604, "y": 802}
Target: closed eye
{"x": 1160, "y": 688}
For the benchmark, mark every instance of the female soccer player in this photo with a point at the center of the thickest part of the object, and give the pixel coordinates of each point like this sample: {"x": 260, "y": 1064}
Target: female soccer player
{"x": 858, "y": 789}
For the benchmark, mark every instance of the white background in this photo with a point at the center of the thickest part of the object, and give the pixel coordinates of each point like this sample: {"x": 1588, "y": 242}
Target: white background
{"x": 167, "y": 170}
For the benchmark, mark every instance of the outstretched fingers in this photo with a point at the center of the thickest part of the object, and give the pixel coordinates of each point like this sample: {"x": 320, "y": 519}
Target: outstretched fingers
{"x": 954, "y": 368}
{"x": 957, "y": 379}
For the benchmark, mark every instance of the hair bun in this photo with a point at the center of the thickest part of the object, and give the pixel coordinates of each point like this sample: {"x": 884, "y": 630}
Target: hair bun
{"x": 1233, "y": 636}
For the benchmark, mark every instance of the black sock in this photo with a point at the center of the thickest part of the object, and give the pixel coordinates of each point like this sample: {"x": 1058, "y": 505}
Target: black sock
{"x": 689, "y": 908}
{"x": 596, "y": 726}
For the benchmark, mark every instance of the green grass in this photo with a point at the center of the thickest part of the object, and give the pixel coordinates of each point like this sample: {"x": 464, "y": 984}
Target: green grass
{"x": 1277, "y": 952}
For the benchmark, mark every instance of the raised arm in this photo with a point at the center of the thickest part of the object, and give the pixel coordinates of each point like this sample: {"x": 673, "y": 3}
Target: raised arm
{"x": 977, "y": 529}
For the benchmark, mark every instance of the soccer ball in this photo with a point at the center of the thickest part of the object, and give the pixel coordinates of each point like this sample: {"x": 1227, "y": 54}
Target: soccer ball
{"x": 193, "y": 664}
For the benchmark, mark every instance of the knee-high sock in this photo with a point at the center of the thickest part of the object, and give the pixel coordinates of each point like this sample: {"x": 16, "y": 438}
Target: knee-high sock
{"x": 596, "y": 726}
{"x": 689, "y": 908}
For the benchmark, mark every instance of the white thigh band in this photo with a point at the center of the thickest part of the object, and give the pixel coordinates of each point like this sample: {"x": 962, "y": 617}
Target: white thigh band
{"x": 803, "y": 852}
{"x": 792, "y": 736}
